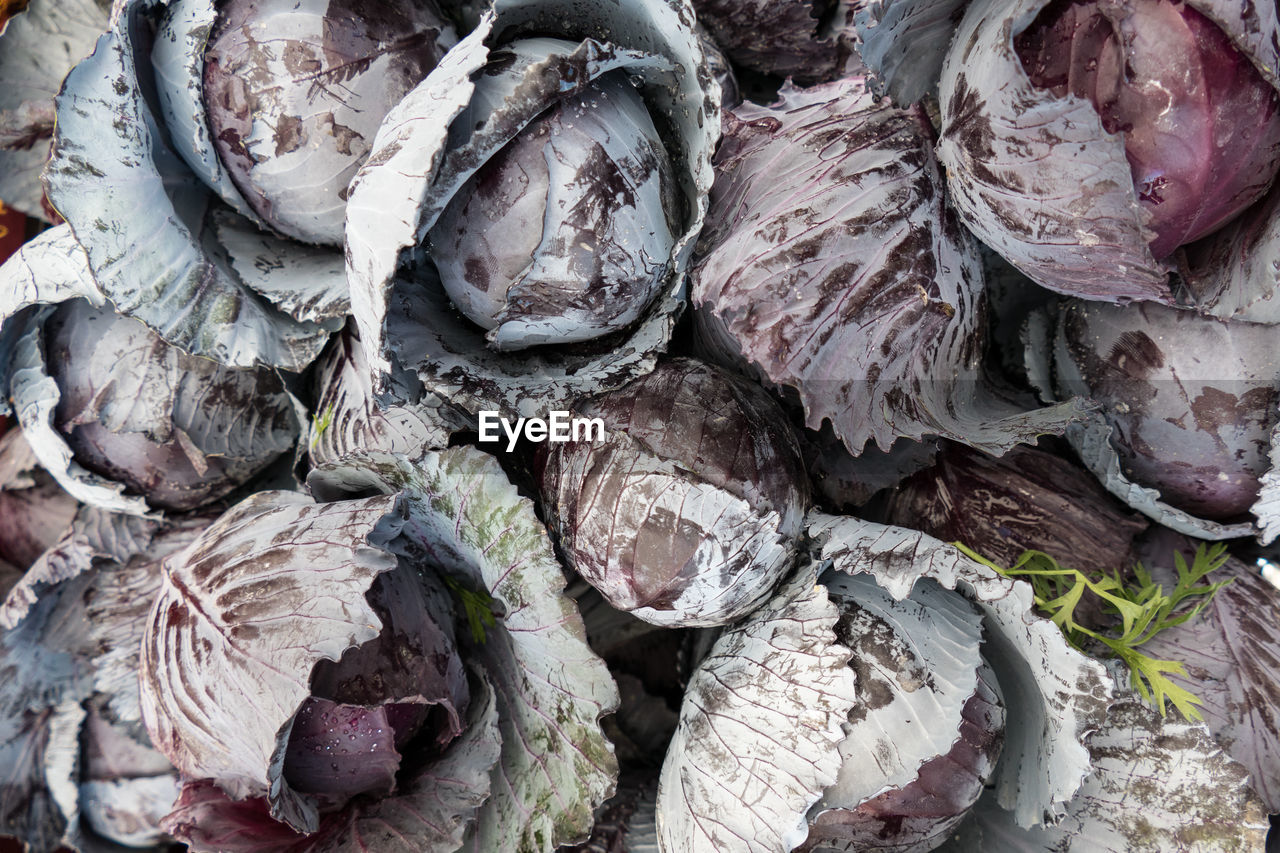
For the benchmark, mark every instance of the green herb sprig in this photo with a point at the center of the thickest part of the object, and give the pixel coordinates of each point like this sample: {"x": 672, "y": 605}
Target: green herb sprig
{"x": 1142, "y": 605}
{"x": 476, "y": 605}
{"x": 322, "y": 423}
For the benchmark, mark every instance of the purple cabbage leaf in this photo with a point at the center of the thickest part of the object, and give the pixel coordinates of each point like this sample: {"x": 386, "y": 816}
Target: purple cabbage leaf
{"x": 422, "y": 169}
{"x": 73, "y": 629}
{"x": 688, "y": 510}
{"x": 351, "y": 417}
{"x": 904, "y": 43}
{"x": 1234, "y": 274}
{"x": 1082, "y": 137}
{"x": 221, "y": 620}
{"x": 775, "y": 693}
{"x": 1054, "y": 695}
{"x": 39, "y": 45}
{"x": 929, "y": 717}
{"x": 1158, "y": 783}
{"x": 113, "y": 175}
{"x": 48, "y": 269}
{"x": 831, "y": 265}
{"x": 811, "y": 41}
{"x": 1231, "y": 662}
{"x": 34, "y": 509}
{"x": 126, "y": 786}
{"x": 1001, "y": 135}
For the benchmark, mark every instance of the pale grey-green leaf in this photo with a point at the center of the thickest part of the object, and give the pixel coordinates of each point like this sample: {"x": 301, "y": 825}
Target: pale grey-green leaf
{"x": 466, "y": 518}
{"x": 1055, "y": 694}
{"x": 1158, "y": 784}
{"x": 760, "y": 729}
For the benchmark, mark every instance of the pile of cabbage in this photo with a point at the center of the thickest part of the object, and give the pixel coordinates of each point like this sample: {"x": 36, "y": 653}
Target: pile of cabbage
{"x": 854, "y": 302}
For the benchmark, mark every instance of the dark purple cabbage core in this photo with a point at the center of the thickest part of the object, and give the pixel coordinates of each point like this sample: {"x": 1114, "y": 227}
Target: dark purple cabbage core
{"x": 550, "y": 225}
{"x": 1201, "y": 127}
{"x": 295, "y": 90}
{"x": 1192, "y": 399}
{"x": 406, "y": 686}
{"x": 158, "y": 450}
{"x": 1027, "y": 499}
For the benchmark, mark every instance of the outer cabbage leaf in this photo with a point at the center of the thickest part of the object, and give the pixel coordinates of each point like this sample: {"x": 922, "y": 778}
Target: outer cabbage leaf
{"x": 427, "y": 814}
{"x": 1035, "y": 176}
{"x": 35, "y": 398}
{"x": 231, "y": 421}
{"x": 913, "y": 682}
{"x": 309, "y": 283}
{"x": 760, "y": 728}
{"x": 466, "y": 517}
{"x": 125, "y": 557}
{"x": 40, "y": 718}
{"x": 379, "y": 231}
{"x": 1055, "y": 694}
{"x": 73, "y": 629}
{"x": 222, "y": 626}
{"x": 1267, "y": 508}
{"x": 129, "y": 810}
{"x": 1232, "y": 656}
{"x": 48, "y": 269}
{"x": 922, "y": 814}
{"x": 1254, "y": 31}
{"x": 904, "y": 43}
{"x": 1234, "y": 274}
{"x": 628, "y": 517}
{"x": 801, "y": 39}
{"x": 1158, "y": 784}
{"x": 410, "y": 174}
{"x": 34, "y": 510}
{"x": 1026, "y": 499}
{"x": 93, "y": 534}
{"x": 1091, "y": 440}
{"x": 177, "y": 60}
{"x": 38, "y": 48}
{"x": 831, "y": 265}
{"x": 113, "y": 177}
{"x": 349, "y": 418}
